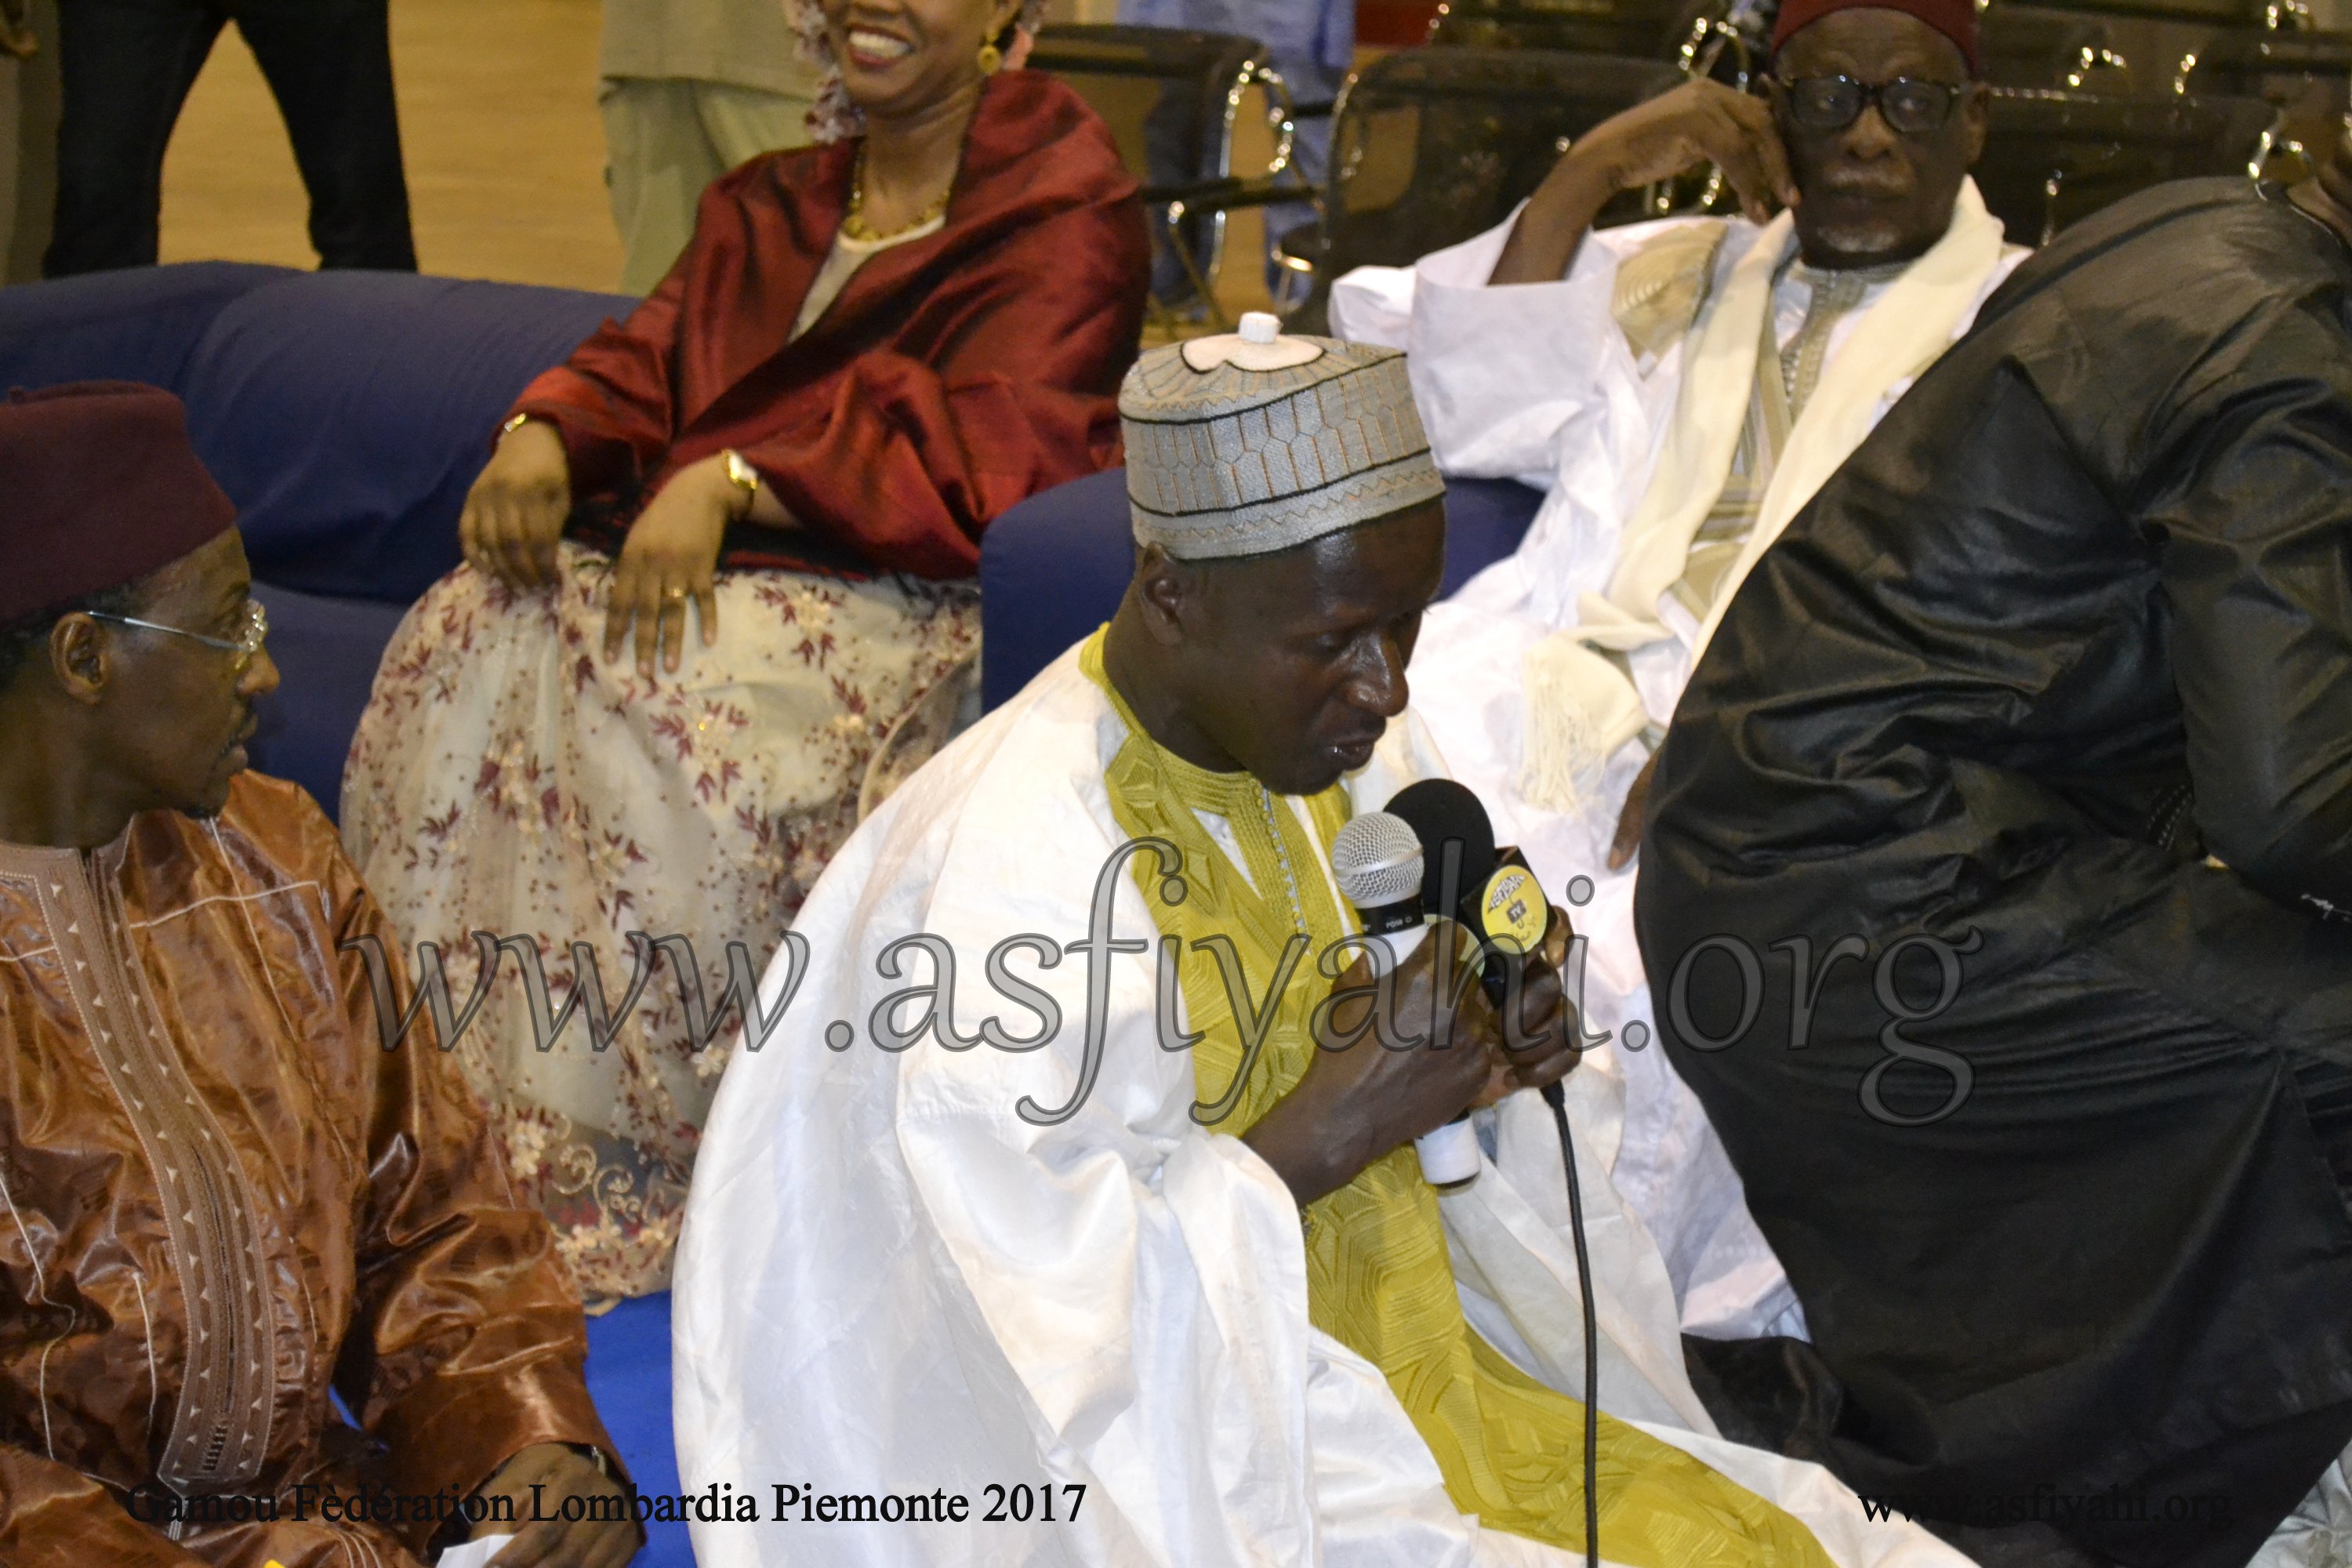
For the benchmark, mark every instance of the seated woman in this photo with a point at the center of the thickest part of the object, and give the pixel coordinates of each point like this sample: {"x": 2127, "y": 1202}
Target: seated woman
{"x": 872, "y": 347}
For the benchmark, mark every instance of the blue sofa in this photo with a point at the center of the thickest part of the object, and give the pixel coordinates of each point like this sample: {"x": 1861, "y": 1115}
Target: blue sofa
{"x": 344, "y": 413}
{"x": 1053, "y": 568}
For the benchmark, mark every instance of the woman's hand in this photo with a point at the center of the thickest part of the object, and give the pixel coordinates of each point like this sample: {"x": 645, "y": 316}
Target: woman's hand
{"x": 1698, "y": 122}
{"x": 672, "y": 555}
{"x": 516, "y": 511}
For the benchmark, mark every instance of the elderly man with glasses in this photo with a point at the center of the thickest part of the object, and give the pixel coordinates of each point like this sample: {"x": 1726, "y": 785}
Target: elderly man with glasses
{"x": 1679, "y": 388}
{"x": 223, "y": 1204}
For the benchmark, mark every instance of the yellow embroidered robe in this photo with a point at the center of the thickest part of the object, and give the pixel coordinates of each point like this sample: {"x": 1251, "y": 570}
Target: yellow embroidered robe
{"x": 1378, "y": 1277}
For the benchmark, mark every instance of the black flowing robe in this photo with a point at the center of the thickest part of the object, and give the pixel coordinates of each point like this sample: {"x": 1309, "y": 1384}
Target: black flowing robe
{"x": 2055, "y": 672}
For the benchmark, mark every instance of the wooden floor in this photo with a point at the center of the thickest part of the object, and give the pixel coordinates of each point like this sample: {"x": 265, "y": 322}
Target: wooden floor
{"x": 504, "y": 147}
{"x": 505, "y": 151}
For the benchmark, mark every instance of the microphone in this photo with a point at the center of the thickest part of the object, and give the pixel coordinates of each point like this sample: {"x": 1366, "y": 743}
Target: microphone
{"x": 1377, "y": 861}
{"x": 1492, "y": 891}
{"x": 1494, "y": 894}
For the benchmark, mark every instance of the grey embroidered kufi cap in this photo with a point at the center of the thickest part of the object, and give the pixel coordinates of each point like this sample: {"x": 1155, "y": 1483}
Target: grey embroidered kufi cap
{"x": 1253, "y": 442}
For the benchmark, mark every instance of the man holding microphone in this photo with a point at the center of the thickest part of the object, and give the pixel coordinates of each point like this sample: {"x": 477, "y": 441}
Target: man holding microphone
{"x": 1155, "y": 1236}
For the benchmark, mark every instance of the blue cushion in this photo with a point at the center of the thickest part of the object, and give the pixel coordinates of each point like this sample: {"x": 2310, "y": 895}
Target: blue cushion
{"x": 1485, "y": 521}
{"x": 326, "y": 651}
{"x": 1054, "y": 567}
{"x": 347, "y": 413}
{"x": 344, "y": 413}
{"x": 629, "y": 1378}
{"x": 139, "y": 324}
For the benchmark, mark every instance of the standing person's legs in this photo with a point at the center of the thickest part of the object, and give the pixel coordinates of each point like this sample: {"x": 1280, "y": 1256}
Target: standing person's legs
{"x": 330, "y": 63}
{"x": 127, "y": 65}
{"x": 658, "y": 161}
{"x": 668, "y": 139}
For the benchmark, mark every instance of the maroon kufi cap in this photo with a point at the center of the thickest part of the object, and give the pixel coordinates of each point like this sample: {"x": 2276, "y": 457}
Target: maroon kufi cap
{"x": 99, "y": 487}
{"x": 1955, "y": 19}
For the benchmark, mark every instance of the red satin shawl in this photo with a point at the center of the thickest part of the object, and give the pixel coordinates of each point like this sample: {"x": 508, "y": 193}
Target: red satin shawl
{"x": 955, "y": 374}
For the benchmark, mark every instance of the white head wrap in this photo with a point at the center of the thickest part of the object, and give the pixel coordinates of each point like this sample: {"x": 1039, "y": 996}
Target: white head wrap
{"x": 1252, "y": 442}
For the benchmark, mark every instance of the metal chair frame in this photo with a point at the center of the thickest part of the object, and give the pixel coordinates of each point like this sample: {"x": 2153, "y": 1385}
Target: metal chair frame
{"x": 2209, "y": 48}
{"x": 1222, "y": 197}
{"x": 1212, "y": 198}
{"x": 2053, "y": 183}
{"x": 1311, "y": 268}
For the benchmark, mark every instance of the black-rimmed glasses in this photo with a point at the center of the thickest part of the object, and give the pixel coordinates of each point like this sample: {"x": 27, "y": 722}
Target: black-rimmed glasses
{"x": 1908, "y": 104}
{"x": 246, "y": 646}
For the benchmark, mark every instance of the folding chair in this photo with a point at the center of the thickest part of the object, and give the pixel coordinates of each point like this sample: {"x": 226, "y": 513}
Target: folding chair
{"x": 1172, "y": 99}
{"x": 1431, "y": 146}
{"x": 2053, "y": 157}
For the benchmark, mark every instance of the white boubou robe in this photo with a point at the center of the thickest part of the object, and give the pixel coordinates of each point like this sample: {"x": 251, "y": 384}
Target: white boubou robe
{"x": 1621, "y": 392}
{"x": 891, "y": 1283}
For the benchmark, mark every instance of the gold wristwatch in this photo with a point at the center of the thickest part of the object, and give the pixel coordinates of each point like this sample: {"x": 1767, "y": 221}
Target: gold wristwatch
{"x": 743, "y": 475}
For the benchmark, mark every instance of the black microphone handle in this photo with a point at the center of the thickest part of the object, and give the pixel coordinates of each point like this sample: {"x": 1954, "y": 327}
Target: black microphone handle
{"x": 1556, "y": 1097}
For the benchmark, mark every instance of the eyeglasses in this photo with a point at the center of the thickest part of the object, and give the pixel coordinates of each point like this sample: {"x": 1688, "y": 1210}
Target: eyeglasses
{"x": 1913, "y": 107}
{"x": 246, "y": 646}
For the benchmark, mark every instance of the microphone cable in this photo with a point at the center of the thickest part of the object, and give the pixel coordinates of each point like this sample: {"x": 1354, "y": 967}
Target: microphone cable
{"x": 1556, "y": 1096}
{"x": 1454, "y": 829}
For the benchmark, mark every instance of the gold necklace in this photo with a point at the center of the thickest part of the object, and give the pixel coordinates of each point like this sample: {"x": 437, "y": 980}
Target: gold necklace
{"x": 853, "y": 222}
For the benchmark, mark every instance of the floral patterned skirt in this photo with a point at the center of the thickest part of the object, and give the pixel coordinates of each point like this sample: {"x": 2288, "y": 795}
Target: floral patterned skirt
{"x": 506, "y": 778}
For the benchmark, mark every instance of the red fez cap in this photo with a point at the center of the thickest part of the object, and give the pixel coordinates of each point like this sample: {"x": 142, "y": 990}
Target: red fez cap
{"x": 99, "y": 487}
{"x": 1955, "y": 19}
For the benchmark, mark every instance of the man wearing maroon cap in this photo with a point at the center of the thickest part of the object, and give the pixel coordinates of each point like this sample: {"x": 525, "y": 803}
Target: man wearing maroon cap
{"x": 221, "y": 1203}
{"x": 1680, "y": 388}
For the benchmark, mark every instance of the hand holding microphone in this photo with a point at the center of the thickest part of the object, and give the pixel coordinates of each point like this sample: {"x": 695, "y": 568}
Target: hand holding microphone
{"x": 1378, "y": 863}
{"x": 1356, "y": 1104}
{"x": 1362, "y": 1094}
{"x": 1524, "y": 939}
{"x": 1433, "y": 854}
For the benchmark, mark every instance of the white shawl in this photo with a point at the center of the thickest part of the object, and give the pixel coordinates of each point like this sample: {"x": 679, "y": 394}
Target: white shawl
{"x": 1581, "y": 706}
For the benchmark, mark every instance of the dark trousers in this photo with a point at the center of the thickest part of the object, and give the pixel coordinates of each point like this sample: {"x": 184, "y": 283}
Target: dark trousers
{"x": 128, "y": 65}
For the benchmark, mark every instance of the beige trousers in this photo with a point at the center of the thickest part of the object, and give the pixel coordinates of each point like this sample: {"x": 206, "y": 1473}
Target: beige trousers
{"x": 669, "y": 139}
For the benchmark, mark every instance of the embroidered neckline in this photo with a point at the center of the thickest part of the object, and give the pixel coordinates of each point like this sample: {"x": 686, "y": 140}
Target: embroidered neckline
{"x": 1871, "y": 277}
{"x": 1247, "y": 805}
{"x": 219, "y": 1436}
